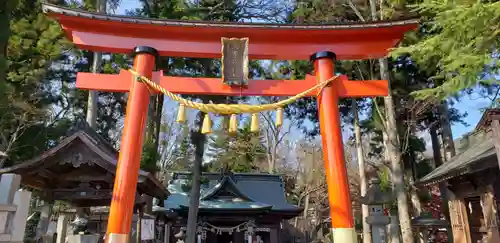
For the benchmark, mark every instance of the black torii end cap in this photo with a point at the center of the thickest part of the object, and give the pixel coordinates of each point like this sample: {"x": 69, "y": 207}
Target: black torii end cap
{"x": 146, "y": 50}
{"x": 323, "y": 54}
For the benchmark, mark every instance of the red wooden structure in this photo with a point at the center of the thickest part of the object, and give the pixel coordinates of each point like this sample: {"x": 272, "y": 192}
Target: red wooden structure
{"x": 147, "y": 38}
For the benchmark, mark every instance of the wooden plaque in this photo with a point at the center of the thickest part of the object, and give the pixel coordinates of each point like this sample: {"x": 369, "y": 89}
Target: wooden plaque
{"x": 235, "y": 61}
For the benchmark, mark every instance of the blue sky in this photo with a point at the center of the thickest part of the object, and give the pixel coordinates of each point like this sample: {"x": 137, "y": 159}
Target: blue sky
{"x": 472, "y": 105}
{"x": 127, "y": 5}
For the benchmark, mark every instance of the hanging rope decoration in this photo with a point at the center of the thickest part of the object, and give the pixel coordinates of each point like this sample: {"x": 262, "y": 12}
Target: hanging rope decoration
{"x": 248, "y": 227}
{"x": 228, "y": 109}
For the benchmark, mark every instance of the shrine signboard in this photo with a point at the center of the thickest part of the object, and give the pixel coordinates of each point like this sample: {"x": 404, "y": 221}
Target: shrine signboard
{"x": 234, "y": 61}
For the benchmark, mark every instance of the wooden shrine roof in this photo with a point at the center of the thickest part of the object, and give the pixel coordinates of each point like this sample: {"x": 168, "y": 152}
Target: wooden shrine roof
{"x": 80, "y": 169}
{"x": 470, "y": 161}
{"x": 488, "y": 116}
{"x": 108, "y": 33}
{"x": 475, "y": 152}
{"x": 233, "y": 193}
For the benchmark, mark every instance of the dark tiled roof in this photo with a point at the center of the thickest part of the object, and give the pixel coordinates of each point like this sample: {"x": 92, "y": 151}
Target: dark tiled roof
{"x": 259, "y": 191}
{"x": 462, "y": 163}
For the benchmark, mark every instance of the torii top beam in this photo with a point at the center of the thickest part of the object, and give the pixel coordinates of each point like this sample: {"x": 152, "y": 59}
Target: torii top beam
{"x": 198, "y": 39}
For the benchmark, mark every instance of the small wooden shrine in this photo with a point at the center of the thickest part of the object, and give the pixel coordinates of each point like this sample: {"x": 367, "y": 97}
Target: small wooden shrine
{"x": 79, "y": 170}
{"x": 241, "y": 207}
{"x": 473, "y": 182}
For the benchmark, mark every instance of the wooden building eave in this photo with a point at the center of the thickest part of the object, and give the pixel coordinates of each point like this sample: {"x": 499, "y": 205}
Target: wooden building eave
{"x": 284, "y": 214}
{"x": 478, "y": 157}
{"x": 33, "y": 169}
{"x": 488, "y": 116}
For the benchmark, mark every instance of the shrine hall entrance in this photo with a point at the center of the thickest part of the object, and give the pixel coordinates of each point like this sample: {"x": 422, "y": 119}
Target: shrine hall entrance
{"x": 226, "y": 238}
{"x": 475, "y": 218}
{"x": 238, "y": 237}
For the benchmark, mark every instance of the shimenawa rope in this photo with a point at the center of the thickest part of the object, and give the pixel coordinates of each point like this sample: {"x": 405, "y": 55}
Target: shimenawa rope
{"x": 228, "y": 109}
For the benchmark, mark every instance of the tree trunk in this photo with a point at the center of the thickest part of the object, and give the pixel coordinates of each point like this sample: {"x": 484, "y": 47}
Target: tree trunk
{"x": 272, "y": 136}
{"x": 6, "y": 7}
{"x": 416, "y": 204}
{"x": 367, "y": 235}
{"x": 91, "y": 117}
{"x": 447, "y": 135}
{"x": 395, "y": 159}
{"x": 393, "y": 148}
{"x": 96, "y": 66}
{"x": 151, "y": 121}
{"x": 304, "y": 214}
{"x": 198, "y": 140}
{"x": 194, "y": 199}
{"x": 449, "y": 152}
{"x": 159, "y": 112}
{"x": 412, "y": 177}
{"x": 436, "y": 148}
{"x": 272, "y": 164}
{"x": 392, "y": 231}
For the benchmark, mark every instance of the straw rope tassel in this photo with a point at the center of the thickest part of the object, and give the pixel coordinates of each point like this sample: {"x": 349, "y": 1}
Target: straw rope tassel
{"x": 181, "y": 114}
{"x": 254, "y": 125}
{"x": 207, "y": 125}
{"x": 279, "y": 117}
{"x": 233, "y": 124}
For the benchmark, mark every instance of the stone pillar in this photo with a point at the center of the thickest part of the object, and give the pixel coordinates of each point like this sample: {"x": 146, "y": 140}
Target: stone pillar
{"x": 274, "y": 234}
{"x": 238, "y": 237}
{"x": 22, "y": 202}
{"x": 166, "y": 238}
{"x": 201, "y": 234}
{"x": 393, "y": 229}
{"x": 375, "y": 198}
{"x": 45, "y": 214}
{"x": 250, "y": 233}
{"x": 138, "y": 227}
{"x": 62, "y": 228}
{"x": 94, "y": 238}
{"x": 9, "y": 184}
{"x": 378, "y": 222}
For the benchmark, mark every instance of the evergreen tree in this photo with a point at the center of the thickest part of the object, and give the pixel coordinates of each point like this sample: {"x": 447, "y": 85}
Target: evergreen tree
{"x": 241, "y": 152}
{"x": 26, "y": 96}
{"x": 39, "y": 103}
{"x": 460, "y": 39}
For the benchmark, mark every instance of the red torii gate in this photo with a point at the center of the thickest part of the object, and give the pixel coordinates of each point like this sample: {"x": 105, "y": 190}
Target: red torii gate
{"x": 148, "y": 38}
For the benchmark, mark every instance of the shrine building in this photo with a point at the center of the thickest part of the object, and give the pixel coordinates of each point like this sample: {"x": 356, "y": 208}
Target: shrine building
{"x": 472, "y": 178}
{"x": 240, "y": 207}
{"x": 79, "y": 171}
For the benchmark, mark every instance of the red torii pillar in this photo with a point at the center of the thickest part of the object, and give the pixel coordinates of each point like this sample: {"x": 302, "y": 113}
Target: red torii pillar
{"x": 339, "y": 195}
{"x": 120, "y": 216}
{"x": 129, "y": 160}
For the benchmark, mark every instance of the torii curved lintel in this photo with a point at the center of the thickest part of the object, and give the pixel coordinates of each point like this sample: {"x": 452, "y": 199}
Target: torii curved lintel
{"x": 120, "y": 34}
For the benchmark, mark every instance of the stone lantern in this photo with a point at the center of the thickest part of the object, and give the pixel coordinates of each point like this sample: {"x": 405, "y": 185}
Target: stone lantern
{"x": 375, "y": 199}
{"x": 425, "y": 222}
